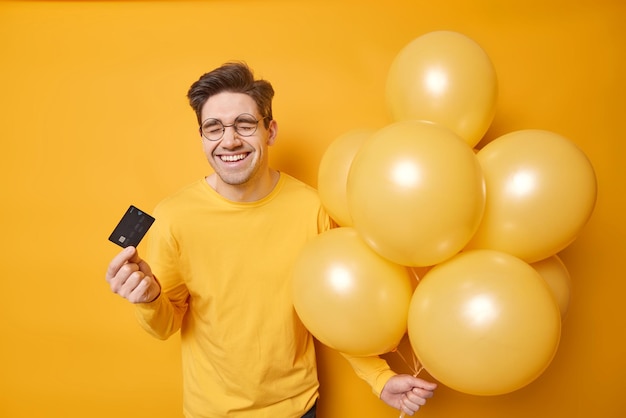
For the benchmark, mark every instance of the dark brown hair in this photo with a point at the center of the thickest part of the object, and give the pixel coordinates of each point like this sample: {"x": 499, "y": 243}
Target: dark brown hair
{"x": 235, "y": 77}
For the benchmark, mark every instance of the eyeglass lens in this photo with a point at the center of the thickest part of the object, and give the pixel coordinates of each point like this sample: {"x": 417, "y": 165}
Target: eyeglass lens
{"x": 244, "y": 124}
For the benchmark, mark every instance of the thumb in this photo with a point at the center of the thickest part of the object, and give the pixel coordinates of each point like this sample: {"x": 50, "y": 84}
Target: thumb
{"x": 135, "y": 258}
{"x": 133, "y": 254}
{"x": 143, "y": 266}
{"x": 424, "y": 384}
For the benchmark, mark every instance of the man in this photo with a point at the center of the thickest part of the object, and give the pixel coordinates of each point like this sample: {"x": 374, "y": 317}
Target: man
{"x": 220, "y": 256}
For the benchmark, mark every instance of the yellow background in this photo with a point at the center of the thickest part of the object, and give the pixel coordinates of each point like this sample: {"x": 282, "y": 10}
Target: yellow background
{"x": 93, "y": 117}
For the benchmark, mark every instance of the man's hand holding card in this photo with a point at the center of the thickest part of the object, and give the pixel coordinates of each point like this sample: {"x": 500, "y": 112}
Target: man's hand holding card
{"x": 128, "y": 274}
{"x": 130, "y": 277}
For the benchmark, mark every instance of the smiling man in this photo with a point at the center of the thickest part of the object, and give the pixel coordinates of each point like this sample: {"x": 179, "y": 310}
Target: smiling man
{"x": 238, "y": 155}
{"x": 222, "y": 249}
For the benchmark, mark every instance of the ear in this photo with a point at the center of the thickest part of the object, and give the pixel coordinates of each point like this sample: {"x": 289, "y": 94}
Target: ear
{"x": 272, "y": 132}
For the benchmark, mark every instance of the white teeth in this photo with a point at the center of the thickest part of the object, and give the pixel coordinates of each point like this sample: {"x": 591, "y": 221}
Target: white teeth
{"x": 232, "y": 158}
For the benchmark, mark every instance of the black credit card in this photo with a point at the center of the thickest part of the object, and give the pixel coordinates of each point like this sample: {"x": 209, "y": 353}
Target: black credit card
{"x": 131, "y": 228}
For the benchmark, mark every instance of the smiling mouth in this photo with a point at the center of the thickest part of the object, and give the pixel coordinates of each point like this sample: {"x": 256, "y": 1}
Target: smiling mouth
{"x": 233, "y": 158}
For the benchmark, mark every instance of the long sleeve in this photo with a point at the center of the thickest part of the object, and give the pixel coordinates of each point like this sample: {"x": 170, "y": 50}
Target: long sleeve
{"x": 374, "y": 370}
{"x": 163, "y": 317}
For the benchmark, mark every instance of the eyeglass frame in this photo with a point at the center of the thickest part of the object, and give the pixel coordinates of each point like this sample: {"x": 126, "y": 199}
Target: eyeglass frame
{"x": 232, "y": 125}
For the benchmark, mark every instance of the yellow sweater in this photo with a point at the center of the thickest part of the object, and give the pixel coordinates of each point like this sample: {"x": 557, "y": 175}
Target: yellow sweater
{"x": 224, "y": 268}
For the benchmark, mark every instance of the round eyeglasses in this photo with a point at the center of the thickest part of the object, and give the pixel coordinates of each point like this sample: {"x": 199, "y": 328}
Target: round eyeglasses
{"x": 244, "y": 124}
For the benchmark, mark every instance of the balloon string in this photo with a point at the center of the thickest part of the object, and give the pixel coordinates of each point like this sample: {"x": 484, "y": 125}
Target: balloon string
{"x": 416, "y": 368}
{"x": 404, "y": 360}
{"x": 414, "y": 274}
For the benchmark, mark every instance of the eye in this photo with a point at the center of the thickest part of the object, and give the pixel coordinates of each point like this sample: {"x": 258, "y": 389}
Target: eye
{"x": 246, "y": 126}
{"x": 212, "y": 127}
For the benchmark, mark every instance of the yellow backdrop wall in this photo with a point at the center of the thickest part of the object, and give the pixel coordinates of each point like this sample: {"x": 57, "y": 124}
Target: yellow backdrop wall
{"x": 93, "y": 117}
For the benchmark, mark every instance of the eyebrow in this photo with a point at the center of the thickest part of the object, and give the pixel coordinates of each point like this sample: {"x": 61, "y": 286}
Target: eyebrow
{"x": 242, "y": 116}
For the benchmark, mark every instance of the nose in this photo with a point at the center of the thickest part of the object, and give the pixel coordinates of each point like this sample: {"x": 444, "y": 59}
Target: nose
{"x": 230, "y": 138}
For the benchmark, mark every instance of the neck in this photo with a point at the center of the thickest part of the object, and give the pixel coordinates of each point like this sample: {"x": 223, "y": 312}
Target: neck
{"x": 250, "y": 191}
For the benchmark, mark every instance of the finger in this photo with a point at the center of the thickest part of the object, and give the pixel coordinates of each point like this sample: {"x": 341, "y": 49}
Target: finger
{"x": 131, "y": 283}
{"x": 144, "y": 291}
{"x": 122, "y": 276}
{"x": 118, "y": 261}
{"x": 406, "y": 408}
{"x": 422, "y": 393}
{"x": 416, "y": 400}
{"x": 143, "y": 266}
{"x": 135, "y": 257}
{"x": 424, "y": 384}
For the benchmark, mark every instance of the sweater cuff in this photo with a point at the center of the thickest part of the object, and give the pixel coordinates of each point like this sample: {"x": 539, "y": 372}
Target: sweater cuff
{"x": 374, "y": 370}
{"x": 147, "y": 313}
{"x": 381, "y": 381}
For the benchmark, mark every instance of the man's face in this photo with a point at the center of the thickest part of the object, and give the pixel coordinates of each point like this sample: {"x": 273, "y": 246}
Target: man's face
{"x": 237, "y": 160}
